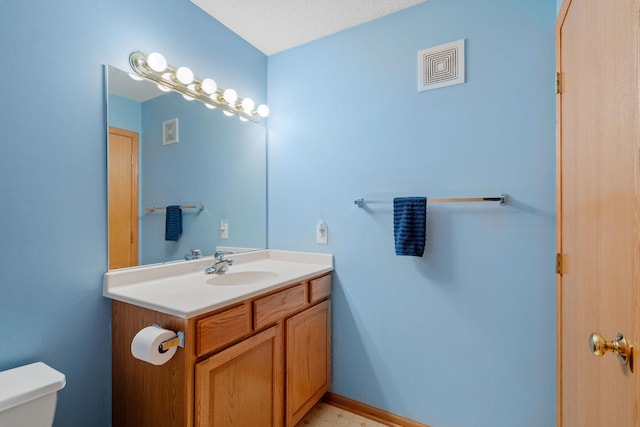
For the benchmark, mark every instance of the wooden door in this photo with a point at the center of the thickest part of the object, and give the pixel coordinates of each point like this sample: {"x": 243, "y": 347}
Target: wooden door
{"x": 242, "y": 385}
{"x": 598, "y": 227}
{"x": 123, "y": 198}
{"x": 308, "y": 370}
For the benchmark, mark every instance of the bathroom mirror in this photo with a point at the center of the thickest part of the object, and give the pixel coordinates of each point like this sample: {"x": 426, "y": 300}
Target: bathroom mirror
{"x": 212, "y": 165}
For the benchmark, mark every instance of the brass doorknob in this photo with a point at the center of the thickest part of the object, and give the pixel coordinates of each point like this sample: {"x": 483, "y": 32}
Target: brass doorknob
{"x": 619, "y": 346}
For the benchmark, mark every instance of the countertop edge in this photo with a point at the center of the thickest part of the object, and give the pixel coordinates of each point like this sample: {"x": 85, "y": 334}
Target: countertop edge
{"x": 217, "y": 305}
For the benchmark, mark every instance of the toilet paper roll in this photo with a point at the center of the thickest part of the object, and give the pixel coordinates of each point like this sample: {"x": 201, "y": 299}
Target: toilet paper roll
{"x": 146, "y": 345}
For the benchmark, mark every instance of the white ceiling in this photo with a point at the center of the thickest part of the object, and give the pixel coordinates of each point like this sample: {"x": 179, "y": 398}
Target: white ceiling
{"x": 276, "y": 25}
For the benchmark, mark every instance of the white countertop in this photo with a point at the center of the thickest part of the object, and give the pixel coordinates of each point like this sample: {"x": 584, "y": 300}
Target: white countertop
{"x": 181, "y": 289}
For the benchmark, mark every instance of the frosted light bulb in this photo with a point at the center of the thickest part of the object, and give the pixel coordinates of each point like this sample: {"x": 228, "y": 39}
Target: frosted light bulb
{"x": 209, "y": 86}
{"x": 230, "y": 96}
{"x": 263, "y": 111}
{"x": 248, "y": 105}
{"x": 157, "y": 62}
{"x": 184, "y": 75}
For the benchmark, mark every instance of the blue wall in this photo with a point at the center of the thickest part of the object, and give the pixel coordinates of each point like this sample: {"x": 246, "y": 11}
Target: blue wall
{"x": 125, "y": 113}
{"x": 464, "y": 336}
{"x": 53, "y": 222}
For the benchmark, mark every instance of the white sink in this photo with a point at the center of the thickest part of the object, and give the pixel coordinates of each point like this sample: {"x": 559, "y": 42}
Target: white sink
{"x": 241, "y": 278}
{"x": 182, "y": 289}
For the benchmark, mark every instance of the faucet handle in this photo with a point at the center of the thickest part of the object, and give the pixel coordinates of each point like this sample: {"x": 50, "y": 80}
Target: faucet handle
{"x": 195, "y": 254}
{"x": 221, "y": 254}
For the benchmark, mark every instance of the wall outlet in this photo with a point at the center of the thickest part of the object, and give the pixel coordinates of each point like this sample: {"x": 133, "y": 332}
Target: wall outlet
{"x": 322, "y": 232}
{"x": 224, "y": 229}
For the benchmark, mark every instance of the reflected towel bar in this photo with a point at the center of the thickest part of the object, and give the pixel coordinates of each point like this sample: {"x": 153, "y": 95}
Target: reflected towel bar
{"x": 502, "y": 199}
{"x": 200, "y": 208}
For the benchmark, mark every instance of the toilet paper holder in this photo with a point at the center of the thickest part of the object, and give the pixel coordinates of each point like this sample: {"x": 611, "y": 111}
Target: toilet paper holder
{"x": 177, "y": 341}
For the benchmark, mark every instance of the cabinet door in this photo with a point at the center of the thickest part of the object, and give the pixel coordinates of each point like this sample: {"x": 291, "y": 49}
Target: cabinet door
{"x": 242, "y": 385}
{"x": 308, "y": 369}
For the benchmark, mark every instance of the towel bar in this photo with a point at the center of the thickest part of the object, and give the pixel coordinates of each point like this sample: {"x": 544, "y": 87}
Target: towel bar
{"x": 200, "y": 208}
{"x": 502, "y": 198}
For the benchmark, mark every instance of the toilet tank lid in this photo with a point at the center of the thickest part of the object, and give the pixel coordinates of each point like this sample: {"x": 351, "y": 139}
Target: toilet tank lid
{"x": 25, "y": 383}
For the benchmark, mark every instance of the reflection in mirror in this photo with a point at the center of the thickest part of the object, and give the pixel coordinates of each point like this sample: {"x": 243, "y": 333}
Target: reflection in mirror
{"x": 164, "y": 150}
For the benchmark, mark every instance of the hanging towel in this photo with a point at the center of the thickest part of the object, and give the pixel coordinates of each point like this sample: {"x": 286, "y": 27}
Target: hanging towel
{"x": 173, "y": 223}
{"x": 409, "y": 225}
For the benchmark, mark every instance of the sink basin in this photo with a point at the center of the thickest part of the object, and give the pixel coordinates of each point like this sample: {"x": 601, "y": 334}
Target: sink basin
{"x": 241, "y": 278}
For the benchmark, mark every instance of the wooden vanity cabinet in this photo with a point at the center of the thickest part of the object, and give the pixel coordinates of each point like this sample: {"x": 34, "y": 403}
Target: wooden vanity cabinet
{"x": 264, "y": 362}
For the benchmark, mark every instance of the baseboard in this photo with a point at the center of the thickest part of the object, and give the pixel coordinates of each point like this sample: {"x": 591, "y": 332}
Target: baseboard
{"x": 369, "y": 411}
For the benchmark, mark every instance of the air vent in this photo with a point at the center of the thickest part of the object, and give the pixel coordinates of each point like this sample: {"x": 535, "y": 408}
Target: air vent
{"x": 441, "y": 66}
{"x": 170, "y": 131}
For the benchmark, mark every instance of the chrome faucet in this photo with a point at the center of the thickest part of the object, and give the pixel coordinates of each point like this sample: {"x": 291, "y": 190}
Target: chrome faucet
{"x": 195, "y": 254}
{"x": 221, "y": 264}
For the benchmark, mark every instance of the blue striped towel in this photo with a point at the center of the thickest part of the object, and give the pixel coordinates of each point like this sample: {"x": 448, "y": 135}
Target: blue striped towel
{"x": 409, "y": 225}
{"x": 173, "y": 223}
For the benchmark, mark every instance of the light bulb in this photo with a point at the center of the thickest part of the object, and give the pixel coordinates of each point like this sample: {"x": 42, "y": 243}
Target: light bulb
{"x": 242, "y": 119}
{"x": 248, "y": 105}
{"x": 135, "y": 77}
{"x": 226, "y": 113}
{"x": 209, "y": 106}
{"x": 163, "y": 88}
{"x": 230, "y": 96}
{"x": 157, "y": 62}
{"x": 209, "y": 86}
{"x": 263, "y": 111}
{"x": 166, "y": 76}
{"x": 184, "y": 75}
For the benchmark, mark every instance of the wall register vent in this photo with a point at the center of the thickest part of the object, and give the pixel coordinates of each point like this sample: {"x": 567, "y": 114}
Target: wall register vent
{"x": 170, "y": 131}
{"x": 441, "y": 66}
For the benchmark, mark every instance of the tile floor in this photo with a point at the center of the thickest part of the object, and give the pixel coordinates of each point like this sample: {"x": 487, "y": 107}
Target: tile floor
{"x": 325, "y": 415}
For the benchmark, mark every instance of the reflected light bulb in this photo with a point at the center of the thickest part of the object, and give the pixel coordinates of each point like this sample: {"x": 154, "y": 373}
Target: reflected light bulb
{"x": 156, "y": 62}
{"x": 230, "y": 96}
{"x": 184, "y": 75}
{"x": 191, "y": 87}
{"x": 209, "y": 86}
{"x": 248, "y": 105}
{"x": 263, "y": 111}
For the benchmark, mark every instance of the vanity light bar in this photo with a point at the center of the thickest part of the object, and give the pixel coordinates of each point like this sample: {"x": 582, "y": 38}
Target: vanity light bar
{"x": 154, "y": 67}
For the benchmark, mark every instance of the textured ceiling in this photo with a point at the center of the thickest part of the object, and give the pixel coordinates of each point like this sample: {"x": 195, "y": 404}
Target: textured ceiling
{"x": 276, "y": 25}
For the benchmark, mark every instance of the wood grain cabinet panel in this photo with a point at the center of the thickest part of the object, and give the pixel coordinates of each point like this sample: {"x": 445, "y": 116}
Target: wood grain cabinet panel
{"x": 242, "y": 385}
{"x": 308, "y": 370}
{"x": 274, "y": 307}
{"x": 222, "y": 328}
{"x": 319, "y": 288}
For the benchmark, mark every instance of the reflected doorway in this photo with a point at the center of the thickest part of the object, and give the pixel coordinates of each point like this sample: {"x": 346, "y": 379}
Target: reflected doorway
{"x": 123, "y": 198}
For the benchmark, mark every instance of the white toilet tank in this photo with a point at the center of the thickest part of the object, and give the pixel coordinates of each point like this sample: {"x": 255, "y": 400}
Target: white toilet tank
{"x": 28, "y": 395}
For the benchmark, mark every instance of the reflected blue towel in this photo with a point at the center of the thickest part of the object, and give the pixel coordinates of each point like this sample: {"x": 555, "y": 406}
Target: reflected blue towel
{"x": 173, "y": 223}
{"x": 409, "y": 225}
